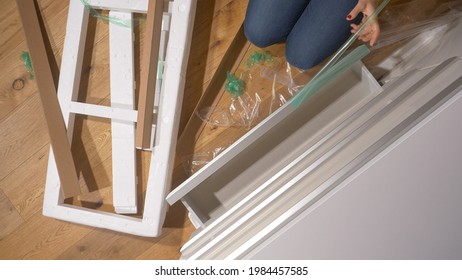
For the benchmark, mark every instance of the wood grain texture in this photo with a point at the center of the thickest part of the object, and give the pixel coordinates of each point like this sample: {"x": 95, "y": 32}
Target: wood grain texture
{"x": 22, "y": 134}
{"x": 24, "y": 185}
{"x": 41, "y": 238}
{"x": 9, "y": 216}
{"x": 24, "y": 141}
{"x": 54, "y": 15}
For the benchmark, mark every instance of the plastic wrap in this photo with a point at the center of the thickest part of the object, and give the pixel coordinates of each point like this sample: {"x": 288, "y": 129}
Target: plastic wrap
{"x": 397, "y": 24}
{"x": 266, "y": 83}
{"x": 264, "y": 77}
{"x": 114, "y": 20}
{"x": 195, "y": 162}
{"x": 410, "y": 37}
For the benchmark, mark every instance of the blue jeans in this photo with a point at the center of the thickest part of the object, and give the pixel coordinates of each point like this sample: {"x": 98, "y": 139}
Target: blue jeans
{"x": 312, "y": 29}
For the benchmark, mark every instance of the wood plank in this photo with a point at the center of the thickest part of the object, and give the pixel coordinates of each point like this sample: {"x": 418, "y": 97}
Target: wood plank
{"x": 41, "y": 238}
{"x": 47, "y": 90}
{"x": 10, "y": 24}
{"x": 29, "y": 178}
{"x": 10, "y": 98}
{"x": 21, "y": 135}
{"x": 9, "y": 216}
{"x": 103, "y": 244}
{"x": 149, "y": 74}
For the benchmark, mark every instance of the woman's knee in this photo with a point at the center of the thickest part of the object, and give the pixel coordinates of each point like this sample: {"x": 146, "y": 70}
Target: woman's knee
{"x": 301, "y": 57}
{"x": 257, "y": 35}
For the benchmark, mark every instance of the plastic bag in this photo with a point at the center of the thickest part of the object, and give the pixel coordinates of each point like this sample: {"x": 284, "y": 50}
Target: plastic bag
{"x": 195, "y": 162}
{"x": 264, "y": 75}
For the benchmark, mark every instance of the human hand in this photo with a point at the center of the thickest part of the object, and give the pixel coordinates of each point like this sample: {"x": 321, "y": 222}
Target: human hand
{"x": 371, "y": 32}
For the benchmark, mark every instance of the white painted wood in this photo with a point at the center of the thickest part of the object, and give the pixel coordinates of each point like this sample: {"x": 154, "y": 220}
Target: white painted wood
{"x": 320, "y": 227}
{"x": 273, "y": 161}
{"x": 116, "y": 112}
{"x": 124, "y": 180}
{"x": 166, "y": 21}
{"x": 183, "y": 12}
{"x": 306, "y": 139}
{"x": 412, "y": 204}
{"x": 351, "y": 153}
{"x": 315, "y": 138}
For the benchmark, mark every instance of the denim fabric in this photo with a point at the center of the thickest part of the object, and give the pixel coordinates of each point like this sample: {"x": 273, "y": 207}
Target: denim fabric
{"x": 312, "y": 29}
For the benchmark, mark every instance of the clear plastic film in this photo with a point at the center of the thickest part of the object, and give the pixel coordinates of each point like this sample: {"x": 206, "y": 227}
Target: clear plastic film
{"x": 242, "y": 108}
{"x": 408, "y": 20}
{"x": 264, "y": 84}
{"x": 114, "y": 20}
{"x": 430, "y": 34}
{"x": 195, "y": 162}
{"x": 253, "y": 93}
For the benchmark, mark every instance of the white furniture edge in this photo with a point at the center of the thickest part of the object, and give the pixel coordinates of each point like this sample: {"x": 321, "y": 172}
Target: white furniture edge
{"x": 223, "y": 238}
{"x": 124, "y": 179}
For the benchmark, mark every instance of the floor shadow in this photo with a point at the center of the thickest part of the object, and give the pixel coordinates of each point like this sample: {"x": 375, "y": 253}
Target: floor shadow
{"x": 47, "y": 39}
{"x": 196, "y": 71}
{"x": 197, "y": 59}
{"x": 78, "y": 147}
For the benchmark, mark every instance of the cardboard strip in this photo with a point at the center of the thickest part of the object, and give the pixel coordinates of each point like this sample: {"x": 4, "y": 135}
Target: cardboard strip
{"x": 47, "y": 90}
{"x": 148, "y": 77}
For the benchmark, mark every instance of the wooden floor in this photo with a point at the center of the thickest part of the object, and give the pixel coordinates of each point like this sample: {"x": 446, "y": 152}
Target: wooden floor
{"x": 24, "y": 144}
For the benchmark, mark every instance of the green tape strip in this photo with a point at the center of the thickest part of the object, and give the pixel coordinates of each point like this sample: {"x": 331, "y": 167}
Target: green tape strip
{"x": 322, "y": 80}
{"x": 121, "y": 22}
{"x": 234, "y": 85}
{"x": 160, "y": 69}
{"x": 259, "y": 57}
{"x": 324, "y": 72}
{"x": 25, "y": 57}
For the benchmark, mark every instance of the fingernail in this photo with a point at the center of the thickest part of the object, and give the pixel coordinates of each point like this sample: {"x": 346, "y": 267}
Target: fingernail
{"x": 348, "y": 16}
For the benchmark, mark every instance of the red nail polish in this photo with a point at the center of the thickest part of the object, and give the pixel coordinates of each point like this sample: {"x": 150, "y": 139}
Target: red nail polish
{"x": 349, "y": 17}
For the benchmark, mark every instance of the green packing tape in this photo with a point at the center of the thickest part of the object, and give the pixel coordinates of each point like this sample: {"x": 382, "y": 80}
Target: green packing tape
{"x": 259, "y": 57}
{"x": 234, "y": 85}
{"x": 114, "y": 20}
{"x": 25, "y": 57}
{"x": 160, "y": 69}
{"x": 306, "y": 92}
{"x": 322, "y": 80}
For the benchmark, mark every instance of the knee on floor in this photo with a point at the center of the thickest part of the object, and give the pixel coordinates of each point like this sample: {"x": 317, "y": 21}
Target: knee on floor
{"x": 303, "y": 57}
{"x": 258, "y": 36}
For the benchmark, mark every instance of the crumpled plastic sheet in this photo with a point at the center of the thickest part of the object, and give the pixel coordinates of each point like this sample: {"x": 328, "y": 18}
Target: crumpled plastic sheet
{"x": 113, "y": 20}
{"x": 248, "y": 97}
